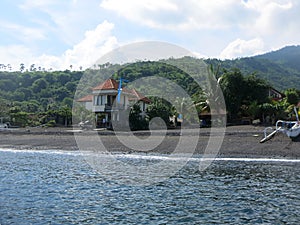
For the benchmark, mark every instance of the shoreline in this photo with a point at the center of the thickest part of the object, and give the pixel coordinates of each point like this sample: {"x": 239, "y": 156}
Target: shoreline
{"x": 176, "y": 157}
{"x": 239, "y": 141}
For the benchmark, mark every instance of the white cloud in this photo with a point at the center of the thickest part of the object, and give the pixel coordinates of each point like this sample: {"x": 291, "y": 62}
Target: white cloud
{"x": 199, "y": 25}
{"x": 96, "y": 43}
{"x": 15, "y": 55}
{"x": 275, "y": 22}
{"x": 30, "y": 4}
{"x": 146, "y": 12}
{"x": 270, "y": 15}
{"x": 202, "y": 14}
{"x": 66, "y": 20}
{"x": 138, "y": 6}
{"x": 177, "y": 14}
{"x": 239, "y": 48}
{"x": 23, "y": 33}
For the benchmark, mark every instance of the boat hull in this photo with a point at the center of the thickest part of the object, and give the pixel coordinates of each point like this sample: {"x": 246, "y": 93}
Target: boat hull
{"x": 294, "y": 132}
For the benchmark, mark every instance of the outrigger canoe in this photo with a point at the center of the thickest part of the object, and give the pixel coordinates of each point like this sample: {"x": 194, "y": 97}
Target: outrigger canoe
{"x": 290, "y": 128}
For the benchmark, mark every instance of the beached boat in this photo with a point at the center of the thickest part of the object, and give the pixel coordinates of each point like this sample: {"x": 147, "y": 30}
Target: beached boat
{"x": 3, "y": 126}
{"x": 290, "y": 128}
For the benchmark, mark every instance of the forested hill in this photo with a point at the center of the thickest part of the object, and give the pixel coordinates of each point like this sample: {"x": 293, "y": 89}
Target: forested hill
{"x": 288, "y": 56}
{"x": 280, "y": 68}
{"x": 38, "y": 97}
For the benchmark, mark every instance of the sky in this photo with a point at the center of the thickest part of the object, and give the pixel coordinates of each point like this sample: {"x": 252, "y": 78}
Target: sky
{"x": 54, "y": 34}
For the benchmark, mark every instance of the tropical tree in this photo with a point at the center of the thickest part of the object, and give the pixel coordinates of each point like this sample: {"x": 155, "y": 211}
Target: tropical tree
{"x": 4, "y": 109}
{"x": 136, "y": 120}
{"x": 66, "y": 113}
{"x": 292, "y": 96}
{"x": 22, "y": 67}
{"x": 233, "y": 87}
{"x": 32, "y": 68}
{"x": 256, "y": 89}
{"x": 39, "y": 84}
{"x": 160, "y": 108}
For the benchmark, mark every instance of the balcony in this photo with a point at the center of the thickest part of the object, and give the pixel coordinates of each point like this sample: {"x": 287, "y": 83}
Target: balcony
{"x": 108, "y": 108}
{"x": 98, "y": 108}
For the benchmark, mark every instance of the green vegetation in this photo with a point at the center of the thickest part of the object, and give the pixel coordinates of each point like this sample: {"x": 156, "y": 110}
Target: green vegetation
{"x": 37, "y": 97}
{"x": 34, "y": 98}
{"x": 242, "y": 91}
{"x": 280, "y": 68}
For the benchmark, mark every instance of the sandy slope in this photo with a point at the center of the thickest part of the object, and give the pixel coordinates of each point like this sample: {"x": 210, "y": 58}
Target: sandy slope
{"x": 239, "y": 141}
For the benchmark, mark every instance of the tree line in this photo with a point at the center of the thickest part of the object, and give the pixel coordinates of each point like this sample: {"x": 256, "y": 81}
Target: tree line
{"x": 36, "y": 97}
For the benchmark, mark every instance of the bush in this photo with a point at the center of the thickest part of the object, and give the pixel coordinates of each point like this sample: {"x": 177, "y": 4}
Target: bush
{"x": 51, "y": 123}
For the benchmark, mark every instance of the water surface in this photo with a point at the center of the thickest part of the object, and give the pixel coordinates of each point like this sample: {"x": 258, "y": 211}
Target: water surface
{"x": 57, "y": 187}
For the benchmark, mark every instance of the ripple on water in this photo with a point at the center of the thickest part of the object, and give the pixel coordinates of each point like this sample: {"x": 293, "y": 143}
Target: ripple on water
{"x": 39, "y": 188}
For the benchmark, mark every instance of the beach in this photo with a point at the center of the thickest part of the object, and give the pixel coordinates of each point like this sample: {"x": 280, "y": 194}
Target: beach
{"x": 238, "y": 142}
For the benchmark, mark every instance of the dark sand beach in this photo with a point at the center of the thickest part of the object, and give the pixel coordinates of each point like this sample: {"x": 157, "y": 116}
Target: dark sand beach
{"x": 239, "y": 141}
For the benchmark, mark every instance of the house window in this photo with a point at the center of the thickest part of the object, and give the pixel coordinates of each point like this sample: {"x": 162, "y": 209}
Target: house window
{"x": 103, "y": 99}
{"x": 100, "y": 100}
{"x": 109, "y": 100}
{"x": 96, "y": 100}
{"x": 144, "y": 106}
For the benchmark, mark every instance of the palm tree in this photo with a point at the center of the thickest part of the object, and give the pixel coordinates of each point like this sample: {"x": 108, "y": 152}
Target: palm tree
{"x": 32, "y": 67}
{"x": 22, "y": 67}
{"x": 65, "y": 112}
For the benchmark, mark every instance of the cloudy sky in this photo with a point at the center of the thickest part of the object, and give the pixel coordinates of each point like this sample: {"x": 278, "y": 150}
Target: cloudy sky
{"x": 59, "y": 33}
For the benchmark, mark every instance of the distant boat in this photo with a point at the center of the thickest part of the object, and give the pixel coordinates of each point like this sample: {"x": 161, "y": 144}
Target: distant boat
{"x": 290, "y": 128}
{"x": 3, "y": 125}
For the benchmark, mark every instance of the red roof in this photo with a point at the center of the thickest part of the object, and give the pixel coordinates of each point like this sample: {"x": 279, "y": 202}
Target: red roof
{"x": 139, "y": 96}
{"x": 109, "y": 84}
{"x": 88, "y": 98}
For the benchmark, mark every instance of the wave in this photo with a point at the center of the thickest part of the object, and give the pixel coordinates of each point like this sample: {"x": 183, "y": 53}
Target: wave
{"x": 57, "y": 152}
{"x": 198, "y": 159}
{"x": 145, "y": 156}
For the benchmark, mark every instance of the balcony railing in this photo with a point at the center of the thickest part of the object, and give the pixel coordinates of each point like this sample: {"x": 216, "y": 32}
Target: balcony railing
{"x": 116, "y": 107}
{"x": 108, "y": 108}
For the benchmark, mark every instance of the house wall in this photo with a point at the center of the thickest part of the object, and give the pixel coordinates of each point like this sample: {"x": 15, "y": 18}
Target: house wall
{"x": 89, "y": 105}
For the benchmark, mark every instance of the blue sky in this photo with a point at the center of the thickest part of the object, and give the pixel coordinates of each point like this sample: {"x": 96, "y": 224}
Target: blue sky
{"x": 57, "y": 33}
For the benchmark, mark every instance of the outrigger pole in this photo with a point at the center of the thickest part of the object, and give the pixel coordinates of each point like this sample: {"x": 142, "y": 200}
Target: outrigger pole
{"x": 296, "y": 112}
{"x": 290, "y": 128}
{"x": 271, "y": 135}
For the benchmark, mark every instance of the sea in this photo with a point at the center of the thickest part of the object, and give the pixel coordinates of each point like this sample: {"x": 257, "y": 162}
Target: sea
{"x": 61, "y": 187}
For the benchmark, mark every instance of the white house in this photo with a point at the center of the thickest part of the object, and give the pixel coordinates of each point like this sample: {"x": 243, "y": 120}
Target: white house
{"x": 108, "y": 105}
{"x": 87, "y": 102}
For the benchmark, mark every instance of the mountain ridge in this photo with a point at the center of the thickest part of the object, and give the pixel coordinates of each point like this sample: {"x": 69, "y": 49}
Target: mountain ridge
{"x": 281, "y": 68}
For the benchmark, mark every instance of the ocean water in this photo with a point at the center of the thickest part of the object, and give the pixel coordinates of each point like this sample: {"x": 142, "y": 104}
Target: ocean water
{"x": 59, "y": 187}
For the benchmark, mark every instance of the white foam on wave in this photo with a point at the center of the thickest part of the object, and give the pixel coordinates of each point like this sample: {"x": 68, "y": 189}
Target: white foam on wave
{"x": 56, "y": 152}
{"x": 193, "y": 159}
{"x": 177, "y": 157}
{"x": 258, "y": 160}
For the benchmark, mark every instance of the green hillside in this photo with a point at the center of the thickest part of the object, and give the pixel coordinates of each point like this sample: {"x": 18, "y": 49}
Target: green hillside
{"x": 39, "y": 97}
{"x": 288, "y": 56}
{"x": 280, "y": 68}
